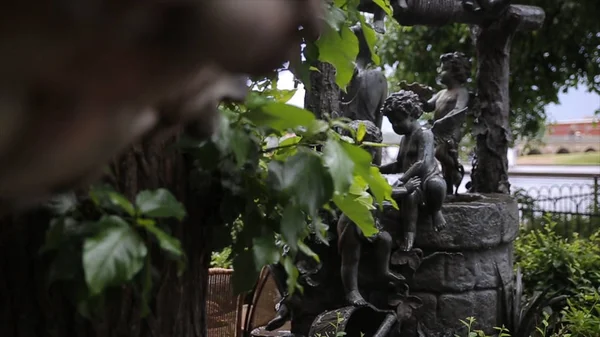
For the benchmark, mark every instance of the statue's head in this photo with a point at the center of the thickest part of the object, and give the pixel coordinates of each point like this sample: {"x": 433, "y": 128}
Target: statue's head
{"x": 372, "y": 135}
{"x": 455, "y": 67}
{"x": 402, "y": 108}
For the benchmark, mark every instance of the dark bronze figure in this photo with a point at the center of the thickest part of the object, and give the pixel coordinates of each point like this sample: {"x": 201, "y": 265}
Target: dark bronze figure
{"x": 367, "y": 89}
{"x": 452, "y": 101}
{"x": 416, "y": 158}
{"x": 351, "y": 238}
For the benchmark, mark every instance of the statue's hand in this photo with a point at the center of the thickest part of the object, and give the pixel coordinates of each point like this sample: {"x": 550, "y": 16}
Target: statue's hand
{"x": 412, "y": 184}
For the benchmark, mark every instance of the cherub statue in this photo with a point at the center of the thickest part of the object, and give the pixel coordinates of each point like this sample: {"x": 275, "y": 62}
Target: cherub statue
{"x": 416, "y": 158}
{"x": 351, "y": 238}
{"x": 453, "y": 101}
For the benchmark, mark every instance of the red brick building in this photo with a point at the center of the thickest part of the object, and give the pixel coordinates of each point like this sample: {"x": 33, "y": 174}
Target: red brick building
{"x": 577, "y": 128}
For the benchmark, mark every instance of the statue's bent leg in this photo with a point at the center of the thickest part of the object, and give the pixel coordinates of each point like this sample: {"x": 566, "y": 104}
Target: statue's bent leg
{"x": 383, "y": 248}
{"x": 283, "y": 313}
{"x": 435, "y": 195}
{"x": 350, "y": 248}
{"x": 410, "y": 212}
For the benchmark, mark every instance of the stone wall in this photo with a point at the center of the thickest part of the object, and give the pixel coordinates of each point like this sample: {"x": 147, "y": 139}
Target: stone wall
{"x": 459, "y": 276}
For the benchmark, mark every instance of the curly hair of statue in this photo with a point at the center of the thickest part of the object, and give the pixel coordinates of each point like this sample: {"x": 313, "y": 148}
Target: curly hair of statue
{"x": 405, "y": 101}
{"x": 459, "y": 65}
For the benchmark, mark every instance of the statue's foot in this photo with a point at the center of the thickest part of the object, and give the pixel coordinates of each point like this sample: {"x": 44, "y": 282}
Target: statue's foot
{"x": 283, "y": 315}
{"x": 394, "y": 278}
{"x": 439, "y": 222}
{"x": 355, "y": 299}
{"x": 407, "y": 242}
{"x": 379, "y": 26}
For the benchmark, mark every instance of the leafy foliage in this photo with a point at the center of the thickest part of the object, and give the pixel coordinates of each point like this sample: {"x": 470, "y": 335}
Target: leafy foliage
{"x": 279, "y": 169}
{"x": 279, "y": 192}
{"x": 271, "y": 196}
{"x": 571, "y": 265}
{"x": 102, "y": 241}
{"x": 562, "y": 54}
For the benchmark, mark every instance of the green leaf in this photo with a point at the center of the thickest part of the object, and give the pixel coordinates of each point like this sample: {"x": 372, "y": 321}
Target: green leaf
{"x": 371, "y": 38}
{"x": 335, "y": 17}
{"x": 166, "y": 242}
{"x": 265, "y": 251}
{"x": 379, "y": 186}
{"x": 280, "y": 116}
{"x": 307, "y": 251}
{"x": 357, "y": 212}
{"x": 304, "y": 178}
{"x": 159, "y": 203}
{"x": 361, "y": 158}
{"x": 113, "y": 256}
{"x": 340, "y": 49}
{"x": 359, "y": 186}
{"x": 292, "y": 272}
{"x": 119, "y": 200}
{"x": 281, "y": 95}
{"x": 371, "y": 144}
{"x": 385, "y": 5}
{"x": 366, "y": 200}
{"x": 105, "y": 196}
{"x": 361, "y": 132}
{"x": 340, "y": 165}
{"x": 292, "y": 224}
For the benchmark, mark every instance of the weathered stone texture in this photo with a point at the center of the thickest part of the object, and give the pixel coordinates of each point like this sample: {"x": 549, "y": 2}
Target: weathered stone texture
{"x": 480, "y": 223}
{"x": 459, "y": 276}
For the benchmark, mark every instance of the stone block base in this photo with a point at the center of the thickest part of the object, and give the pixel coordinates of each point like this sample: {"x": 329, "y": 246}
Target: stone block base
{"x": 465, "y": 264}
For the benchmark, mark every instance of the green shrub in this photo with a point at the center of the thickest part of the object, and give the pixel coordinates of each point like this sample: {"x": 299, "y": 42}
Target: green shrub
{"x": 221, "y": 259}
{"x": 547, "y": 259}
{"x": 570, "y": 266}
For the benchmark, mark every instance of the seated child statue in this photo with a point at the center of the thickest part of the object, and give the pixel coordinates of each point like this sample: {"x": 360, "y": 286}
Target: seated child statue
{"x": 351, "y": 238}
{"x": 416, "y": 158}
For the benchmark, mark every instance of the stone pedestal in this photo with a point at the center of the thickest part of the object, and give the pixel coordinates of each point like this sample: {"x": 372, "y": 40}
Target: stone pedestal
{"x": 465, "y": 264}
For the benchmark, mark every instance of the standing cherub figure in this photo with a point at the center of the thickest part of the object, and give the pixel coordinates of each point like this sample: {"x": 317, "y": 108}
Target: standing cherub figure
{"x": 416, "y": 158}
{"x": 449, "y": 103}
{"x": 351, "y": 238}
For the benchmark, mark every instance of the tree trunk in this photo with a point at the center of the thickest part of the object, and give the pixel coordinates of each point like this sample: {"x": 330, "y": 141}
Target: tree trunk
{"x": 492, "y": 125}
{"x": 323, "y": 96}
{"x": 492, "y": 128}
{"x": 29, "y": 309}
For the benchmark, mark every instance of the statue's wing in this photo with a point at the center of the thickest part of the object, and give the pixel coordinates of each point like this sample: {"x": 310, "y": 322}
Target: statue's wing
{"x": 445, "y": 129}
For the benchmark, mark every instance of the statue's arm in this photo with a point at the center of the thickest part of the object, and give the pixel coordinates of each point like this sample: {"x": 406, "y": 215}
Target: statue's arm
{"x": 426, "y": 156}
{"x": 399, "y": 192}
{"x": 390, "y": 168}
{"x": 429, "y": 105}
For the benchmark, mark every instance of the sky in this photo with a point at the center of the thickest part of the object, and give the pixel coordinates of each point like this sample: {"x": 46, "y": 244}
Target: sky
{"x": 577, "y": 103}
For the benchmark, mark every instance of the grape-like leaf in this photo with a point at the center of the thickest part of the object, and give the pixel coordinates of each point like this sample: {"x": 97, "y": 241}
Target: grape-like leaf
{"x": 113, "y": 256}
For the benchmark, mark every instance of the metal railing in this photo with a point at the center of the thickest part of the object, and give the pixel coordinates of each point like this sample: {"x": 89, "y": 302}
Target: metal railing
{"x": 574, "y": 207}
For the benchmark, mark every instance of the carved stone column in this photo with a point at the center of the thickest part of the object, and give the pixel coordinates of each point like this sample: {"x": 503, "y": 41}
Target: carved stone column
{"x": 492, "y": 129}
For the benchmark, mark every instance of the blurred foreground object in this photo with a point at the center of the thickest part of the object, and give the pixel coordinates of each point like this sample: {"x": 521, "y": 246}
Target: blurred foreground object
{"x": 83, "y": 79}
